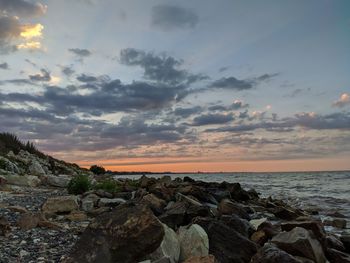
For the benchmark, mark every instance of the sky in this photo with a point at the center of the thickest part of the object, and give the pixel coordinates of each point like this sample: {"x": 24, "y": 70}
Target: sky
{"x": 200, "y": 85}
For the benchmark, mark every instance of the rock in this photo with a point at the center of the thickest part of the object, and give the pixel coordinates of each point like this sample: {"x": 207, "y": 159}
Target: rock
{"x": 3, "y": 180}
{"x": 9, "y": 166}
{"x": 198, "y": 259}
{"x": 300, "y": 242}
{"x": 271, "y": 254}
{"x": 36, "y": 169}
{"x": 18, "y": 209}
{"x": 315, "y": 226}
{"x": 58, "y": 181}
{"x": 76, "y": 216}
{"x": 28, "y": 180}
{"x": 260, "y": 237}
{"x": 237, "y": 192}
{"x": 336, "y": 256}
{"x": 146, "y": 182}
{"x": 29, "y": 220}
{"x": 193, "y": 241}
{"x": 335, "y": 222}
{"x": 333, "y": 242}
{"x": 49, "y": 225}
{"x": 345, "y": 239}
{"x": 87, "y": 205}
{"x": 169, "y": 249}
{"x": 110, "y": 202}
{"x": 5, "y": 228}
{"x": 257, "y": 222}
{"x": 92, "y": 197}
{"x": 242, "y": 226}
{"x": 166, "y": 180}
{"x": 227, "y": 207}
{"x": 127, "y": 234}
{"x": 60, "y": 204}
{"x": 156, "y": 204}
{"x": 226, "y": 244}
{"x": 285, "y": 213}
{"x": 102, "y": 193}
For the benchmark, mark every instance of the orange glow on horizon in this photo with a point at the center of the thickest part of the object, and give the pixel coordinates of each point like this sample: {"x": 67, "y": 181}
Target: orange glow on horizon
{"x": 237, "y": 166}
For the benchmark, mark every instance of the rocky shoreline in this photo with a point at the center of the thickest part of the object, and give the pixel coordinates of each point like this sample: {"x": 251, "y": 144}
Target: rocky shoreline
{"x": 153, "y": 220}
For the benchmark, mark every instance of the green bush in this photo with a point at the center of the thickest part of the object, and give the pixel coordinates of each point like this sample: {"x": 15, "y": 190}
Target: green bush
{"x": 108, "y": 185}
{"x": 97, "y": 169}
{"x": 79, "y": 185}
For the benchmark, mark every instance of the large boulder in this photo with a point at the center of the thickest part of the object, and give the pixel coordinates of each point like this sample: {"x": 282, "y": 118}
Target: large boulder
{"x": 60, "y": 204}
{"x": 300, "y": 242}
{"x": 28, "y": 180}
{"x": 336, "y": 256}
{"x": 35, "y": 168}
{"x": 271, "y": 254}
{"x": 127, "y": 234}
{"x": 242, "y": 226}
{"x": 9, "y": 166}
{"x": 169, "y": 249}
{"x": 156, "y": 204}
{"x": 58, "y": 181}
{"x": 225, "y": 243}
{"x": 227, "y": 207}
{"x": 193, "y": 241}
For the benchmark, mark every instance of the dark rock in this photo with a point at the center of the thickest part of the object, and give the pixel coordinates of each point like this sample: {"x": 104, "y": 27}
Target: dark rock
{"x": 315, "y": 226}
{"x": 242, "y": 226}
{"x": 104, "y": 194}
{"x": 5, "y": 228}
{"x": 188, "y": 179}
{"x": 284, "y": 213}
{"x": 333, "y": 242}
{"x": 219, "y": 194}
{"x": 335, "y": 222}
{"x": 238, "y": 193}
{"x": 123, "y": 195}
{"x": 226, "y": 244}
{"x": 163, "y": 192}
{"x": 345, "y": 239}
{"x": 336, "y": 256}
{"x": 227, "y": 207}
{"x": 146, "y": 182}
{"x": 156, "y": 204}
{"x": 127, "y": 234}
{"x": 271, "y": 254}
{"x": 300, "y": 242}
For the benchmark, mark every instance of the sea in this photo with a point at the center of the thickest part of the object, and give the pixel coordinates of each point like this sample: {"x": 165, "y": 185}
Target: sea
{"x": 326, "y": 192}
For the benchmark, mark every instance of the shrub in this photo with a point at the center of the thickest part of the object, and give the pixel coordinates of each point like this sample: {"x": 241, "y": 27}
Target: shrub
{"x": 79, "y": 185}
{"x": 108, "y": 185}
{"x": 97, "y": 169}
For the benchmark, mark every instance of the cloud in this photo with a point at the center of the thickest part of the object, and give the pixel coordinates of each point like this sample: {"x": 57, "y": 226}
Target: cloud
{"x": 170, "y": 17}
{"x": 4, "y": 65}
{"x": 210, "y": 119}
{"x": 44, "y": 76}
{"x": 236, "y": 105}
{"x": 80, "y": 52}
{"x": 160, "y": 68}
{"x": 187, "y": 112}
{"x": 22, "y": 8}
{"x": 14, "y": 35}
{"x": 232, "y": 83}
{"x": 67, "y": 70}
{"x": 343, "y": 101}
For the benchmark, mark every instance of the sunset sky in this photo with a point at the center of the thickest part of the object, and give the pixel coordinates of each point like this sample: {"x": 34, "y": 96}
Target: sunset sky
{"x": 181, "y": 85}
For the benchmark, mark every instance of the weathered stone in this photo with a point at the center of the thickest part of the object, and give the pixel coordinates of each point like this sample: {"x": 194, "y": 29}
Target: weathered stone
{"x": 227, "y": 207}
{"x": 226, "y": 244}
{"x": 314, "y": 226}
{"x": 271, "y": 254}
{"x": 29, "y": 220}
{"x": 156, "y": 204}
{"x": 110, "y": 202}
{"x": 76, "y": 216}
{"x": 87, "y": 205}
{"x": 193, "y": 241}
{"x": 35, "y": 168}
{"x": 127, "y": 234}
{"x": 300, "y": 242}
{"x": 28, "y": 180}
{"x": 199, "y": 259}
{"x": 60, "y": 204}
{"x": 5, "y": 228}
{"x": 335, "y": 222}
{"x": 169, "y": 249}
{"x": 58, "y": 181}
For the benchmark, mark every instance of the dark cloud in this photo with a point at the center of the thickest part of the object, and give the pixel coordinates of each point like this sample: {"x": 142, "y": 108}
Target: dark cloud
{"x": 10, "y": 28}
{"x": 86, "y": 78}
{"x": 210, "y": 119}
{"x": 22, "y": 8}
{"x": 67, "y": 70}
{"x": 44, "y": 76}
{"x": 4, "y": 66}
{"x": 160, "y": 68}
{"x": 236, "y": 105}
{"x": 222, "y": 69}
{"x": 232, "y": 83}
{"x": 170, "y": 17}
{"x": 336, "y": 121}
{"x": 17, "y": 82}
{"x": 187, "y": 112}
{"x": 80, "y": 52}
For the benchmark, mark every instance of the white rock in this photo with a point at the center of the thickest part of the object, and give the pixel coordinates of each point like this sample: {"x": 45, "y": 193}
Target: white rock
{"x": 193, "y": 242}
{"x": 27, "y": 180}
{"x": 59, "y": 181}
{"x": 60, "y": 204}
{"x": 169, "y": 249}
{"x": 257, "y": 222}
{"x": 36, "y": 169}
